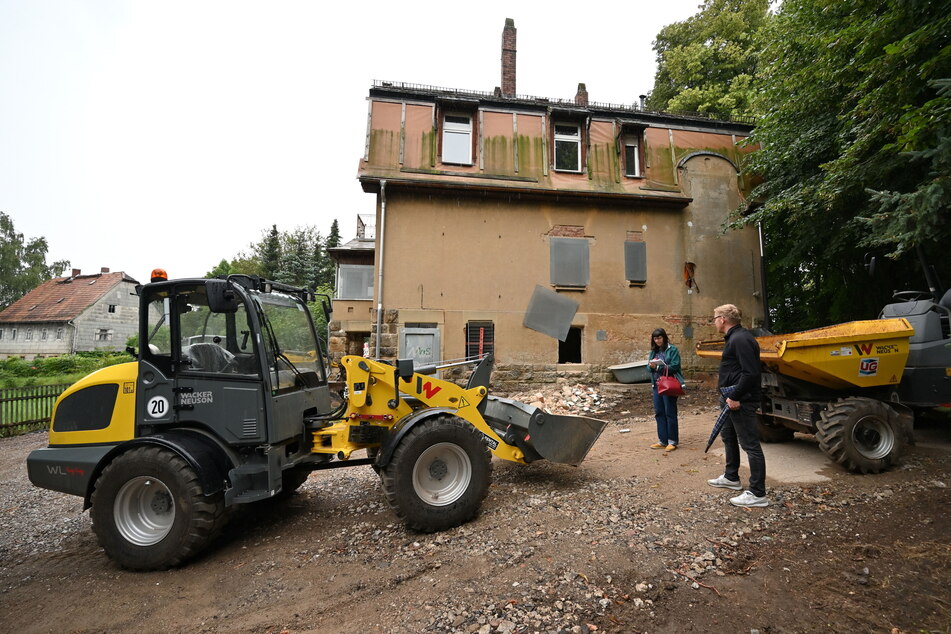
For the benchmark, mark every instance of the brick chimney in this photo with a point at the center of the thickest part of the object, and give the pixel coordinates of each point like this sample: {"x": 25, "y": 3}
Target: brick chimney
{"x": 508, "y": 58}
{"x": 76, "y": 272}
{"x": 581, "y": 97}
{"x": 104, "y": 269}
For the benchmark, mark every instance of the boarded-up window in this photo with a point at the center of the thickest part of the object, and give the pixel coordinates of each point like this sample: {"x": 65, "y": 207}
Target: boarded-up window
{"x": 569, "y": 262}
{"x": 480, "y": 338}
{"x": 635, "y": 261}
{"x": 420, "y": 344}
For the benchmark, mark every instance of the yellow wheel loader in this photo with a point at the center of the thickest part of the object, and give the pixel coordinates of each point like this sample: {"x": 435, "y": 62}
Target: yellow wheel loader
{"x": 229, "y": 403}
{"x": 858, "y": 386}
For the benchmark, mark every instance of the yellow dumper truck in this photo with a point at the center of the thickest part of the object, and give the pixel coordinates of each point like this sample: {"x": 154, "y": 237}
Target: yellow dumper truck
{"x": 858, "y": 386}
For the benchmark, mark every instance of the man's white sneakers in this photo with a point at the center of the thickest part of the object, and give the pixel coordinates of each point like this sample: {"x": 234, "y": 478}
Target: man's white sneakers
{"x": 747, "y": 499}
{"x": 723, "y": 483}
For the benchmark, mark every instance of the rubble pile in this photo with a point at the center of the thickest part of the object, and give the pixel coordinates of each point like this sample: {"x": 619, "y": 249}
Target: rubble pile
{"x": 567, "y": 399}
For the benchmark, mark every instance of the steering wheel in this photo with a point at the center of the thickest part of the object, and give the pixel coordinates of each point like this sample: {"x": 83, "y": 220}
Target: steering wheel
{"x": 912, "y": 296}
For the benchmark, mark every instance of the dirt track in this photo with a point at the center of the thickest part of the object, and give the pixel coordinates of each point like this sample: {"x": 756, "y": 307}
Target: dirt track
{"x": 631, "y": 541}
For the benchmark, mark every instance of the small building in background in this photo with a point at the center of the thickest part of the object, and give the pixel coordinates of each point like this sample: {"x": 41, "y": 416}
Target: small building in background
{"x": 353, "y": 305}
{"x": 71, "y": 314}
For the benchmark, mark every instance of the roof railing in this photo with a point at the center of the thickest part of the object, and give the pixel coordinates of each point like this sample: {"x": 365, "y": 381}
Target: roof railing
{"x": 634, "y": 107}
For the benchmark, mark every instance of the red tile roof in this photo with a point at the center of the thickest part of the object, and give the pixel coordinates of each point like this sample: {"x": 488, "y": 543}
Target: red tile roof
{"x": 62, "y": 298}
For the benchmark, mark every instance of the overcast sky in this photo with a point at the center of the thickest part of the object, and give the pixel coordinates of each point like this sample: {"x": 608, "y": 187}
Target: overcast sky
{"x": 139, "y": 134}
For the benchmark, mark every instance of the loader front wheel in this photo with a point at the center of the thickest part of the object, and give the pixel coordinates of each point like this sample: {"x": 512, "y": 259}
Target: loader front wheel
{"x": 149, "y": 512}
{"x": 438, "y": 475}
{"x": 861, "y": 434}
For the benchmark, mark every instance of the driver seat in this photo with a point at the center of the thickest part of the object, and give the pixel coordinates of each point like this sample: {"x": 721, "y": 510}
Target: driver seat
{"x": 207, "y": 357}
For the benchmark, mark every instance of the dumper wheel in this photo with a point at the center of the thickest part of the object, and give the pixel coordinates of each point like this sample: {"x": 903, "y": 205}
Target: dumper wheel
{"x": 771, "y": 431}
{"x": 149, "y": 512}
{"x": 861, "y": 434}
{"x": 438, "y": 475}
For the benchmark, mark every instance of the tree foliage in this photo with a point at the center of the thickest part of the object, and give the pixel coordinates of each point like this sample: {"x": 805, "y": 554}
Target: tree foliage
{"x": 298, "y": 257}
{"x": 708, "y": 62}
{"x": 853, "y": 136}
{"x": 23, "y": 264}
{"x": 323, "y": 263}
{"x": 268, "y": 251}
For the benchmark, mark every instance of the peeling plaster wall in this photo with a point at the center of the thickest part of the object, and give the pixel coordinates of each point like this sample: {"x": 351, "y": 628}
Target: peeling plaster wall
{"x": 457, "y": 258}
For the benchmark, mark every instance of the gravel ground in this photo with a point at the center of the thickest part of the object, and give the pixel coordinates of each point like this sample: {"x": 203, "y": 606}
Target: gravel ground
{"x": 632, "y": 540}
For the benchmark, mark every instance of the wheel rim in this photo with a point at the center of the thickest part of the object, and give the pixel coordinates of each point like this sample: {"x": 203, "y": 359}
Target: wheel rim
{"x": 442, "y": 474}
{"x": 873, "y": 437}
{"x": 144, "y": 511}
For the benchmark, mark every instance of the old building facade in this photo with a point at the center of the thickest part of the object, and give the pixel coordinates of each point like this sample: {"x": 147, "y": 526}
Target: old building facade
{"x": 71, "y": 314}
{"x": 494, "y": 210}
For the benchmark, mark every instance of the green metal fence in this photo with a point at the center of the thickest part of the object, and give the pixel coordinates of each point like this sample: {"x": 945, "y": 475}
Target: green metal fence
{"x": 24, "y": 409}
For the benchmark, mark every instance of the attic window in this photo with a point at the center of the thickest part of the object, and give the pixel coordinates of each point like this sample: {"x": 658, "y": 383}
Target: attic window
{"x": 34, "y": 306}
{"x": 94, "y": 281}
{"x": 60, "y": 300}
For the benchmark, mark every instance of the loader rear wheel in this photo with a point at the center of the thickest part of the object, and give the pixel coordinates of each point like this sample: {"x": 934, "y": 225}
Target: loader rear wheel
{"x": 438, "y": 475}
{"x": 149, "y": 512}
{"x": 861, "y": 434}
{"x": 770, "y": 431}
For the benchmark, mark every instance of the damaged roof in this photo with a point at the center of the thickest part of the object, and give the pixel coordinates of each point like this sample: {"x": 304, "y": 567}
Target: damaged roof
{"x": 62, "y": 298}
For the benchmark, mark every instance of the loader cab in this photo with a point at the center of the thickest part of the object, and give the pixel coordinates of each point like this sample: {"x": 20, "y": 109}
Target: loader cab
{"x": 925, "y": 382}
{"x": 236, "y": 358}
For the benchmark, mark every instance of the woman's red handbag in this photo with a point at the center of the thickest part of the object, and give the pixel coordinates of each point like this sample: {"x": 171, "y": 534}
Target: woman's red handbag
{"x": 669, "y": 385}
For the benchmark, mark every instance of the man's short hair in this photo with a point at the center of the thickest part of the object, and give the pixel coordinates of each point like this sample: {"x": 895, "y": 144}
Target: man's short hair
{"x": 729, "y": 312}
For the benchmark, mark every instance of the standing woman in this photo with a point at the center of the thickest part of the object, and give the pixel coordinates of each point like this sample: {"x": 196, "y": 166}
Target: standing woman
{"x": 664, "y": 356}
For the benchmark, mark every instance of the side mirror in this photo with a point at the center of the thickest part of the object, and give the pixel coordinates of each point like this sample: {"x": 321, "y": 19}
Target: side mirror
{"x": 325, "y": 304}
{"x": 221, "y": 296}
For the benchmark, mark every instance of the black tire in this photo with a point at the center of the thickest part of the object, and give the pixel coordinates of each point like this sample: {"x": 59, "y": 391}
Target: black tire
{"x": 149, "y": 512}
{"x": 861, "y": 434}
{"x": 771, "y": 431}
{"x": 291, "y": 480}
{"x": 438, "y": 475}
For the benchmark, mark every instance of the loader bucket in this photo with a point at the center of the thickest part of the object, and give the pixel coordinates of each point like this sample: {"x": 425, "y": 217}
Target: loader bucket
{"x": 565, "y": 439}
{"x": 555, "y": 437}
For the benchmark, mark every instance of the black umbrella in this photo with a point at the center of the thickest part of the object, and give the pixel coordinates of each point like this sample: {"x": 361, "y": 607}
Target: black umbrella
{"x": 727, "y": 392}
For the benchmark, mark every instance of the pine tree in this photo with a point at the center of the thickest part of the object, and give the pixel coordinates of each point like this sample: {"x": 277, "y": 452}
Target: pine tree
{"x": 269, "y": 252}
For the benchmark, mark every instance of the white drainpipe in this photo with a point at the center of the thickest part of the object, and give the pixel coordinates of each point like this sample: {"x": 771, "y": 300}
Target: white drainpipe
{"x": 379, "y": 282}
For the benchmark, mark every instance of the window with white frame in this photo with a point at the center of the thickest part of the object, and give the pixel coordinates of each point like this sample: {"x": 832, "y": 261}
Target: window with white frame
{"x": 44, "y": 334}
{"x": 568, "y": 147}
{"x": 29, "y": 334}
{"x": 632, "y": 157}
{"x": 457, "y": 139}
{"x": 103, "y": 335}
{"x": 355, "y": 281}
{"x": 59, "y": 334}
{"x": 1, "y": 334}
{"x": 13, "y": 334}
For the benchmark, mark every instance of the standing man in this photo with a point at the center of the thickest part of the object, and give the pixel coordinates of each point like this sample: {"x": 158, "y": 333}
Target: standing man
{"x": 740, "y": 370}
